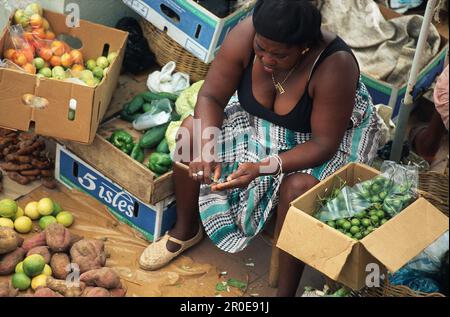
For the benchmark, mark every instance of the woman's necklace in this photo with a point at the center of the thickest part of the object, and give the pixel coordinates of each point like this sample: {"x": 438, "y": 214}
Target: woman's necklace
{"x": 279, "y": 86}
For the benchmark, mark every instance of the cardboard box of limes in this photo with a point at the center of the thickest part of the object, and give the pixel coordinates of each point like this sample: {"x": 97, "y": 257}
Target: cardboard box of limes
{"x": 358, "y": 263}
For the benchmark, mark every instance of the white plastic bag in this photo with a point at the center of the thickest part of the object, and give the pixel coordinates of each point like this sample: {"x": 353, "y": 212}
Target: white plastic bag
{"x": 164, "y": 81}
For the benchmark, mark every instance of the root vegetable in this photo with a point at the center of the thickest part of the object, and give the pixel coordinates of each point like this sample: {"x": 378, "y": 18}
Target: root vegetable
{"x": 37, "y": 145}
{"x": 44, "y": 251}
{"x": 6, "y": 290}
{"x": 104, "y": 277}
{"x": 96, "y": 292}
{"x": 22, "y": 180}
{"x": 58, "y": 238}
{"x": 37, "y": 240}
{"x": 41, "y": 164}
{"x": 18, "y": 159}
{"x": 118, "y": 292}
{"x": 9, "y": 261}
{"x": 12, "y": 167}
{"x": 59, "y": 263}
{"x": 35, "y": 172}
{"x": 46, "y": 292}
{"x": 49, "y": 183}
{"x": 9, "y": 240}
{"x": 62, "y": 287}
{"x": 89, "y": 254}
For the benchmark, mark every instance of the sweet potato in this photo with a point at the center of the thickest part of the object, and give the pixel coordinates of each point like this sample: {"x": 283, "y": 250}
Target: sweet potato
{"x": 42, "y": 251}
{"x": 62, "y": 287}
{"x": 9, "y": 261}
{"x": 104, "y": 277}
{"x": 37, "y": 145}
{"x": 9, "y": 240}
{"x": 46, "y": 292}
{"x": 35, "y": 172}
{"x": 58, "y": 238}
{"x": 18, "y": 158}
{"x": 49, "y": 183}
{"x": 96, "y": 292}
{"x": 22, "y": 180}
{"x": 7, "y": 291}
{"x": 13, "y": 167}
{"x": 118, "y": 292}
{"x": 37, "y": 240}
{"x": 89, "y": 254}
{"x": 59, "y": 263}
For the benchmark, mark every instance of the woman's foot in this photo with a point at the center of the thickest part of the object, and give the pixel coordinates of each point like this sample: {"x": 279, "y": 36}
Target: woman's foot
{"x": 160, "y": 253}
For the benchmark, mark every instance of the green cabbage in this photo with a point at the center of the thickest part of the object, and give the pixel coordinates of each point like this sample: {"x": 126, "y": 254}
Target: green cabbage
{"x": 185, "y": 103}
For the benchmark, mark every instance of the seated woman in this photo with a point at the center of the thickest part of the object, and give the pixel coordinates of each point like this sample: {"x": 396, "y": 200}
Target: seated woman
{"x": 300, "y": 108}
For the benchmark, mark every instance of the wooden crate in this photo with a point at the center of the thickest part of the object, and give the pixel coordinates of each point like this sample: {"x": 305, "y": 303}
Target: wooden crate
{"x": 121, "y": 168}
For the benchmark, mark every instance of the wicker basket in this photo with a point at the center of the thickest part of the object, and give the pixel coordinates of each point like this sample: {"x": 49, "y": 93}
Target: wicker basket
{"x": 434, "y": 188}
{"x": 166, "y": 50}
{"x": 388, "y": 290}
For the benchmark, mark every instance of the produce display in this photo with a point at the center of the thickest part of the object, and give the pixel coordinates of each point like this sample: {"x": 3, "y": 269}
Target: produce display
{"x": 36, "y": 49}
{"x": 150, "y": 113}
{"x": 24, "y": 159}
{"x": 358, "y": 211}
{"x": 46, "y": 211}
{"x": 41, "y": 263}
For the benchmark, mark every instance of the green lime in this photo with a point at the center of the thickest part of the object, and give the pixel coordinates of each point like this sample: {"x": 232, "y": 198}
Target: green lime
{"x": 21, "y": 281}
{"x": 57, "y": 208}
{"x": 355, "y": 222}
{"x": 375, "y": 188}
{"x": 45, "y": 221}
{"x": 348, "y": 234}
{"x": 374, "y": 219}
{"x": 370, "y": 228}
{"x": 372, "y": 213}
{"x": 375, "y": 199}
{"x": 347, "y": 225}
{"x": 19, "y": 267}
{"x": 361, "y": 215}
{"x": 382, "y": 195}
{"x": 354, "y": 229}
{"x": 380, "y": 214}
{"x": 383, "y": 221}
{"x": 358, "y": 236}
{"x": 377, "y": 206}
{"x": 33, "y": 265}
{"x": 331, "y": 223}
{"x": 340, "y": 222}
{"x": 366, "y": 222}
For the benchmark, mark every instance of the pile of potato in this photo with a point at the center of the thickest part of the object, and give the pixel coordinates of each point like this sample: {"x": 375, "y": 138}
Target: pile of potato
{"x": 60, "y": 247}
{"x": 23, "y": 158}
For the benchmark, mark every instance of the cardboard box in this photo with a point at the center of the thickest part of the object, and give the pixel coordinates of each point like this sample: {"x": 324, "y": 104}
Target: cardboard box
{"x": 189, "y": 24}
{"x": 91, "y": 103}
{"x": 150, "y": 220}
{"x": 384, "y": 93}
{"x": 120, "y": 167}
{"x": 349, "y": 261}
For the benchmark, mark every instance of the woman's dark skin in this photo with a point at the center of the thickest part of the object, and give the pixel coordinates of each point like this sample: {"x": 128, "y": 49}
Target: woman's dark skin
{"x": 333, "y": 90}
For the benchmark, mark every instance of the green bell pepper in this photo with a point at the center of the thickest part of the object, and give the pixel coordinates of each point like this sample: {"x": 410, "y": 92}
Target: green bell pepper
{"x": 122, "y": 140}
{"x": 160, "y": 163}
{"x": 137, "y": 153}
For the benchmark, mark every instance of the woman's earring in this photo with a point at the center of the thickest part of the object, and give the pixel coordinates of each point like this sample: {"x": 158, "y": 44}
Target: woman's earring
{"x": 306, "y": 50}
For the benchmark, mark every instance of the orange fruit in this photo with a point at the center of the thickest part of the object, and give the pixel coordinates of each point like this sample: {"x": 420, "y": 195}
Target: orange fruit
{"x": 66, "y": 60}
{"x": 50, "y": 35}
{"x": 77, "y": 57}
{"x": 9, "y": 54}
{"x": 39, "y": 33}
{"x": 29, "y": 68}
{"x": 46, "y": 53}
{"x": 78, "y": 67}
{"x": 28, "y": 54}
{"x": 45, "y": 24}
{"x": 55, "y": 61}
{"x": 58, "y": 48}
{"x": 28, "y": 36}
{"x": 20, "y": 59}
{"x": 36, "y": 21}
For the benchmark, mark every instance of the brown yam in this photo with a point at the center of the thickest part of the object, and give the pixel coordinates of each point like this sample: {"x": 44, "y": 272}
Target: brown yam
{"x": 58, "y": 238}
{"x": 9, "y": 240}
{"x": 46, "y": 292}
{"x": 104, "y": 277}
{"x": 37, "y": 240}
{"x": 89, "y": 254}
{"x": 96, "y": 292}
{"x": 44, "y": 251}
{"x": 59, "y": 264}
{"x": 9, "y": 261}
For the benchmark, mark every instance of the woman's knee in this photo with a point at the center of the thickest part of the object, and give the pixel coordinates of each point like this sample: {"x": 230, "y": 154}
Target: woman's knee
{"x": 294, "y": 186}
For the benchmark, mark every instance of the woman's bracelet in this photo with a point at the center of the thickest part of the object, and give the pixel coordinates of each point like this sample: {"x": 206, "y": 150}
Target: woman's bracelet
{"x": 280, "y": 164}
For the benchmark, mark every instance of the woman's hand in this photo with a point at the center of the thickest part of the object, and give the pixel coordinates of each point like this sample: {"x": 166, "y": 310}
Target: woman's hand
{"x": 202, "y": 171}
{"x": 245, "y": 174}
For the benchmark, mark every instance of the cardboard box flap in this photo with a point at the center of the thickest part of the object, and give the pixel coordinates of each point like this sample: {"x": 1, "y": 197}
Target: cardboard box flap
{"x": 406, "y": 235}
{"x": 302, "y": 234}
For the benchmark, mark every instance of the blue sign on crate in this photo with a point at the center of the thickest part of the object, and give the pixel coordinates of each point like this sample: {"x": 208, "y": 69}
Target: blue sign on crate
{"x": 151, "y": 221}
